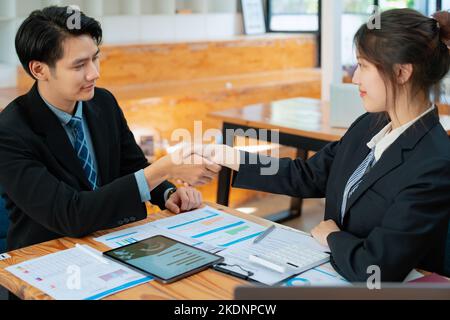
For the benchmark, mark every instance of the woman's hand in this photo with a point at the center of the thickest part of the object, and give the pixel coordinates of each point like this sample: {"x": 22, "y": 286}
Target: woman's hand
{"x": 188, "y": 167}
{"x": 323, "y": 230}
{"x": 184, "y": 199}
{"x": 221, "y": 154}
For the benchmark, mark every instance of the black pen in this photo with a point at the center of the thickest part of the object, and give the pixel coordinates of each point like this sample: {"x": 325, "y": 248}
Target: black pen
{"x": 231, "y": 273}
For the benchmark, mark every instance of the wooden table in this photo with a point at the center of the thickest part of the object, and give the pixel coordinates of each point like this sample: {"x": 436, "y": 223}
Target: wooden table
{"x": 206, "y": 285}
{"x": 302, "y": 123}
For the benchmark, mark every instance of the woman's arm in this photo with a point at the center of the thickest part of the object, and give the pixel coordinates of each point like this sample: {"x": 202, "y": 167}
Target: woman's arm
{"x": 297, "y": 178}
{"x": 415, "y": 224}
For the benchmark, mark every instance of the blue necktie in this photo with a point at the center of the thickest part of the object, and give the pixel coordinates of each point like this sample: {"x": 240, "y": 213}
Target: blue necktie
{"x": 81, "y": 148}
{"x": 355, "y": 180}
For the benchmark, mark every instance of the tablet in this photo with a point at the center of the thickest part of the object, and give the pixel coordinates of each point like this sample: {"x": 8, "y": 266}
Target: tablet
{"x": 165, "y": 259}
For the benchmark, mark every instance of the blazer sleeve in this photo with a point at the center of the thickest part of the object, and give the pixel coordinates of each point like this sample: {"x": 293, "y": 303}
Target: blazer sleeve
{"x": 55, "y": 204}
{"x": 295, "y": 178}
{"x": 132, "y": 159}
{"x": 410, "y": 228}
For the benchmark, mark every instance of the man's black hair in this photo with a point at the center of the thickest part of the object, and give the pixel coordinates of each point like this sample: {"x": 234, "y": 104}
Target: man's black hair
{"x": 41, "y": 36}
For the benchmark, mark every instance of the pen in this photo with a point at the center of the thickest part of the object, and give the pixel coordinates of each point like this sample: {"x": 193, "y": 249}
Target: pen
{"x": 264, "y": 234}
{"x": 231, "y": 273}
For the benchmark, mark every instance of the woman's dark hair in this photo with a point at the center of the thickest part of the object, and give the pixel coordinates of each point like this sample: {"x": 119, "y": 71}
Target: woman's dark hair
{"x": 408, "y": 37}
{"x": 41, "y": 36}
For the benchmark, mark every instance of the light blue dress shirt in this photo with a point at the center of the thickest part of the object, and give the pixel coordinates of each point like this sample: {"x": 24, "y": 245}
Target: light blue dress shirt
{"x": 65, "y": 118}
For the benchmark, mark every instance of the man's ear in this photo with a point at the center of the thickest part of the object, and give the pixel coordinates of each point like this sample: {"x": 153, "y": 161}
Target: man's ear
{"x": 39, "y": 70}
{"x": 403, "y": 72}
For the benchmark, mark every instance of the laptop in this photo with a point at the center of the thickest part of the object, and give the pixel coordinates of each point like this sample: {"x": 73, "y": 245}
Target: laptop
{"x": 345, "y": 105}
{"x": 388, "y": 291}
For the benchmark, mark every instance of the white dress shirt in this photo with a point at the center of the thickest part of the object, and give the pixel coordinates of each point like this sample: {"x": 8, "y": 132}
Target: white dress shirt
{"x": 382, "y": 140}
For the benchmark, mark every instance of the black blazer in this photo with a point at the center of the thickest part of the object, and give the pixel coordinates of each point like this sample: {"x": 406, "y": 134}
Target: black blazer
{"x": 46, "y": 190}
{"x": 397, "y": 218}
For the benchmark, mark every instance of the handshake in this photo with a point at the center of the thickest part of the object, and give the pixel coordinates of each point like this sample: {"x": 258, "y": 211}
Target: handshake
{"x": 195, "y": 164}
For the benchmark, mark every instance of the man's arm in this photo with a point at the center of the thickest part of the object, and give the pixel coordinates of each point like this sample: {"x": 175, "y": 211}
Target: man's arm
{"x": 55, "y": 204}
{"x": 134, "y": 161}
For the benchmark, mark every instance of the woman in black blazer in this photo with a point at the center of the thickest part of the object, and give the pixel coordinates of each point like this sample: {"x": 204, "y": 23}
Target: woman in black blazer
{"x": 387, "y": 181}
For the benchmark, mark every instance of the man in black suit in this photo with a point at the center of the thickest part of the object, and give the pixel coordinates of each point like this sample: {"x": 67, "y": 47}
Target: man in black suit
{"x": 69, "y": 164}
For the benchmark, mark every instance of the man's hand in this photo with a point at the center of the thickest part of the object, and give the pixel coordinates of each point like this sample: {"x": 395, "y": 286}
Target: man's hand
{"x": 184, "y": 199}
{"x": 323, "y": 230}
{"x": 182, "y": 165}
{"x": 195, "y": 170}
{"x": 221, "y": 154}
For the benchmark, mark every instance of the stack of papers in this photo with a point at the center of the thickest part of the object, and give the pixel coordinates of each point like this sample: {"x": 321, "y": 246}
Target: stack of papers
{"x": 82, "y": 273}
{"x": 279, "y": 238}
{"x": 131, "y": 235}
{"x": 211, "y": 226}
{"x": 79, "y": 273}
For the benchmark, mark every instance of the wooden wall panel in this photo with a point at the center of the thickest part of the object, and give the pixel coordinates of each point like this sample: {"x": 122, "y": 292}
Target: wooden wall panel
{"x": 125, "y": 65}
{"x": 187, "y": 61}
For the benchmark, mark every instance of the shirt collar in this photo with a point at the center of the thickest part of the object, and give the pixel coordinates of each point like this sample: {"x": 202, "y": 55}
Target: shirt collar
{"x": 65, "y": 117}
{"x": 396, "y": 132}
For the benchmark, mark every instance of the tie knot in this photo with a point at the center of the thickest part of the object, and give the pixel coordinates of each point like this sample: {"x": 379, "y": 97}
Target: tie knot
{"x": 75, "y": 123}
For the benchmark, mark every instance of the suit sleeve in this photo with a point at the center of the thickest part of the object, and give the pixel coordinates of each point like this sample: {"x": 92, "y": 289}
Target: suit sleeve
{"x": 410, "y": 228}
{"x": 133, "y": 159}
{"x": 55, "y": 204}
{"x": 295, "y": 178}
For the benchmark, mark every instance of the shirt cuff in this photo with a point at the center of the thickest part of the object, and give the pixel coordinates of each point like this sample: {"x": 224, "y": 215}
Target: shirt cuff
{"x": 166, "y": 194}
{"x": 144, "y": 190}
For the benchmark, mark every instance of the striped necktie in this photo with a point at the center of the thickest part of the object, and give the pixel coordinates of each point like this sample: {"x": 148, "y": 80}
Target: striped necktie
{"x": 356, "y": 179}
{"x": 81, "y": 148}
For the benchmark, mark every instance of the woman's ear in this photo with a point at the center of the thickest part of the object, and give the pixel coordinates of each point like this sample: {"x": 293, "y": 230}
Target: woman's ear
{"x": 403, "y": 72}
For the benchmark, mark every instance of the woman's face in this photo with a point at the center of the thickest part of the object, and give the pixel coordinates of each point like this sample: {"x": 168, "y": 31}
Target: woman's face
{"x": 372, "y": 88}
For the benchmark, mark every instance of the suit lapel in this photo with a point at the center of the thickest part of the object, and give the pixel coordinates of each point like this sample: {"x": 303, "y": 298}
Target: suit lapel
{"x": 393, "y": 156}
{"x": 391, "y": 159}
{"x": 356, "y": 157}
{"x": 44, "y": 122}
{"x": 99, "y": 135}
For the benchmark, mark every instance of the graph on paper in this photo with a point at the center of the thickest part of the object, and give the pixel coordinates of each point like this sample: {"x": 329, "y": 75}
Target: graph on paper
{"x": 134, "y": 234}
{"x": 211, "y": 226}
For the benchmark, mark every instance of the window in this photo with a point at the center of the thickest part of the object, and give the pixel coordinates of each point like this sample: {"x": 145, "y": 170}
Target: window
{"x": 427, "y": 7}
{"x": 355, "y": 13}
{"x": 445, "y": 4}
{"x": 293, "y": 15}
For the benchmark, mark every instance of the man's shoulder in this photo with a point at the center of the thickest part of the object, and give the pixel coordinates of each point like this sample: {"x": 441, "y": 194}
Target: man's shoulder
{"x": 104, "y": 95}
{"x": 11, "y": 116}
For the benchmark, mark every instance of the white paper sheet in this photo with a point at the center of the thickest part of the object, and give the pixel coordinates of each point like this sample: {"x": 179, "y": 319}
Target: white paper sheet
{"x": 134, "y": 234}
{"x": 323, "y": 275}
{"x": 211, "y": 226}
{"x": 74, "y": 274}
{"x": 278, "y": 238}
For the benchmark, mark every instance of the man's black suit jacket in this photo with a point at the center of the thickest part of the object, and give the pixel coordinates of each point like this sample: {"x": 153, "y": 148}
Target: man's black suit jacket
{"x": 46, "y": 190}
{"x": 397, "y": 219}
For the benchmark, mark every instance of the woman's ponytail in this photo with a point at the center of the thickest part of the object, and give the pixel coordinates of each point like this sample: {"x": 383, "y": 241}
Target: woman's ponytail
{"x": 443, "y": 20}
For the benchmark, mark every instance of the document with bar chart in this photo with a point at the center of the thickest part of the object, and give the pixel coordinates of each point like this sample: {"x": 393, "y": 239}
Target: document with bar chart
{"x": 134, "y": 234}
{"x": 211, "y": 226}
{"x": 77, "y": 274}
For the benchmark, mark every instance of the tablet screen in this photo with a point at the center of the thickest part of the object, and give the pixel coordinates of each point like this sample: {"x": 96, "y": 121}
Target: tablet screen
{"x": 164, "y": 258}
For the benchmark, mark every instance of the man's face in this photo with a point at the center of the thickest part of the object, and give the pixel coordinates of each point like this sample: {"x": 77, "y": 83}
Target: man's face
{"x": 73, "y": 77}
